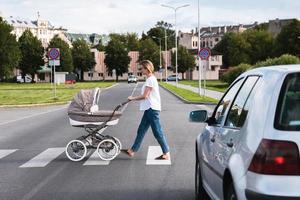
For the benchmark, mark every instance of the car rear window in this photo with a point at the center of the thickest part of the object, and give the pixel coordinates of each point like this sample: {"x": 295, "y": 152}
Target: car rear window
{"x": 288, "y": 108}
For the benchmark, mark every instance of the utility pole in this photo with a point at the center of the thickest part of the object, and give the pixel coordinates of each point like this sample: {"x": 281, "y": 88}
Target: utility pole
{"x": 199, "y": 47}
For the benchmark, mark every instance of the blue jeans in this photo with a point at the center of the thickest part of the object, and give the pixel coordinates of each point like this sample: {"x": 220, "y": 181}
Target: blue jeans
{"x": 150, "y": 118}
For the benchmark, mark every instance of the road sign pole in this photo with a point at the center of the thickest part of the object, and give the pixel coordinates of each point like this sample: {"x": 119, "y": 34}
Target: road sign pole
{"x": 54, "y": 80}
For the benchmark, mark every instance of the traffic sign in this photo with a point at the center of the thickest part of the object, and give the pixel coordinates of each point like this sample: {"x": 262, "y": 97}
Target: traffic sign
{"x": 53, "y": 54}
{"x": 204, "y": 53}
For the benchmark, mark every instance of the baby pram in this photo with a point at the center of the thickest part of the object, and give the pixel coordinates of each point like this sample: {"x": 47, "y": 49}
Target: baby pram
{"x": 84, "y": 112}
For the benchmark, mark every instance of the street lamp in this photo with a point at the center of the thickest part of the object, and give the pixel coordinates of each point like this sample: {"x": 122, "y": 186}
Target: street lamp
{"x": 199, "y": 47}
{"x": 159, "y": 55}
{"x": 175, "y": 12}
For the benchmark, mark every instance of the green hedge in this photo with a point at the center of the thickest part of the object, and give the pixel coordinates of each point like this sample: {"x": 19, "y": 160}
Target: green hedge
{"x": 234, "y": 72}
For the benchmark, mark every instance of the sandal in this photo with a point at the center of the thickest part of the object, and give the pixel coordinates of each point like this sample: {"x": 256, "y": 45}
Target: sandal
{"x": 162, "y": 158}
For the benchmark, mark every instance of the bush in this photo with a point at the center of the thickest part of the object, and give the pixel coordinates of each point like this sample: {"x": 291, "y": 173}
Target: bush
{"x": 285, "y": 59}
{"x": 234, "y": 72}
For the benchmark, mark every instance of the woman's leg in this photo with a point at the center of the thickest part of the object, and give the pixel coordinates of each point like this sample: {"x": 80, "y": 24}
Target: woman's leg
{"x": 157, "y": 130}
{"x": 143, "y": 127}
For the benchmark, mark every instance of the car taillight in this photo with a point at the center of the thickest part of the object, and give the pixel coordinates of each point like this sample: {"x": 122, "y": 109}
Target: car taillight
{"x": 274, "y": 157}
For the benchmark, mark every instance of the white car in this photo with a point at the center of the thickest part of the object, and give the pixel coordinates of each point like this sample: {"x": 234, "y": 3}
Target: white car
{"x": 20, "y": 79}
{"x": 249, "y": 148}
{"x": 132, "y": 79}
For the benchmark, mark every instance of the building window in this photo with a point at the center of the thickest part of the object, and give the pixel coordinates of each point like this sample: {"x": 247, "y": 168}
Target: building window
{"x": 90, "y": 74}
{"x": 109, "y": 74}
{"x": 139, "y": 74}
{"x": 196, "y": 44}
{"x": 100, "y": 74}
{"x": 217, "y": 39}
{"x": 211, "y": 43}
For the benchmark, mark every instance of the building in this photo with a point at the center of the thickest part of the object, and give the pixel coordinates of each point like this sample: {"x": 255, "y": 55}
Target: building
{"x": 42, "y": 29}
{"x": 210, "y": 36}
{"x": 275, "y": 26}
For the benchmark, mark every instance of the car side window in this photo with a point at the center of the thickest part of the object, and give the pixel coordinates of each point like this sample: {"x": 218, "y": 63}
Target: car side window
{"x": 223, "y": 106}
{"x": 240, "y": 107}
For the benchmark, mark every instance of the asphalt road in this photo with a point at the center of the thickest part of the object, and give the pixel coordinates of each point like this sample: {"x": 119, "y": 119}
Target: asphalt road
{"x": 28, "y": 132}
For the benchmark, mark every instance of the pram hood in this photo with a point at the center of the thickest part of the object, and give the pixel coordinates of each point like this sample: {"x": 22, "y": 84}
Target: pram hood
{"x": 85, "y": 107}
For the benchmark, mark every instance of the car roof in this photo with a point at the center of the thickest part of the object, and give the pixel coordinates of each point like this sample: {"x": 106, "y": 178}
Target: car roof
{"x": 281, "y": 69}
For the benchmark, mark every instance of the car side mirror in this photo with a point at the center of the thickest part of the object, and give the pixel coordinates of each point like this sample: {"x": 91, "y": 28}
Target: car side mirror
{"x": 198, "y": 116}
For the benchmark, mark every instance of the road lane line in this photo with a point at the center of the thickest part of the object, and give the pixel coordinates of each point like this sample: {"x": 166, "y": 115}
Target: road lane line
{"x": 6, "y": 152}
{"x": 44, "y": 158}
{"x": 130, "y": 95}
{"x": 30, "y": 116}
{"x": 94, "y": 159}
{"x": 154, "y": 152}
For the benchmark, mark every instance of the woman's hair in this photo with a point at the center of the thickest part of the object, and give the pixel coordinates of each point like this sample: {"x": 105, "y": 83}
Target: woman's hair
{"x": 147, "y": 64}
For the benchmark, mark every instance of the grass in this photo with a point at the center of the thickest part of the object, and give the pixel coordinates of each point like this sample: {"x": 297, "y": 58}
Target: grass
{"x": 188, "y": 95}
{"x": 40, "y": 93}
{"x": 211, "y": 85}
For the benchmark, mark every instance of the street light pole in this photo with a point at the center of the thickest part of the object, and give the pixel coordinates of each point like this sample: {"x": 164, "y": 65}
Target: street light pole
{"x": 166, "y": 52}
{"x": 175, "y": 27}
{"x": 199, "y": 47}
{"x": 160, "y": 66}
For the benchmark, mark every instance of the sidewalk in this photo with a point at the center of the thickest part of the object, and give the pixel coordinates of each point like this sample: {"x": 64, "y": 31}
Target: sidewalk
{"x": 208, "y": 93}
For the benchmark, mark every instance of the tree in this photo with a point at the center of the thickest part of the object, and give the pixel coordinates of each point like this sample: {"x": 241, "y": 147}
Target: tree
{"x": 32, "y": 54}
{"x": 158, "y": 32}
{"x": 82, "y": 57}
{"x": 149, "y": 51}
{"x": 234, "y": 49}
{"x": 116, "y": 57}
{"x": 66, "y": 61}
{"x": 186, "y": 61}
{"x": 130, "y": 40}
{"x": 261, "y": 44}
{"x": 9, "y": 50}
{"x": 288, "y": 40}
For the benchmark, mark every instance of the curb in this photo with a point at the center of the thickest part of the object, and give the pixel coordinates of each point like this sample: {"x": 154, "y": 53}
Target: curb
{"x": 46, "y": 104}
{"x": 34, "y": 105}
{"x": 186, "y": 101}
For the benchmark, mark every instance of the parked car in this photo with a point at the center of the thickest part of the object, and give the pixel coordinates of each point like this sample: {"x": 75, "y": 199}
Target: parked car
{"x": 132, "y": 79}
{"x": 173, "y": 78}
{"x": 26, "y": 79}
{"x": 249, "y": 148}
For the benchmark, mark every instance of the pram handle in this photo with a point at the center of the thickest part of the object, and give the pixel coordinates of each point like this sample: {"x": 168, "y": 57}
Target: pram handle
{"x": 122, "y": 104}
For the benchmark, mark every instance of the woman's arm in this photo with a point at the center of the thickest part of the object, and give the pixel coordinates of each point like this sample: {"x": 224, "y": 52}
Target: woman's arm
{"x": 143, "y": 96}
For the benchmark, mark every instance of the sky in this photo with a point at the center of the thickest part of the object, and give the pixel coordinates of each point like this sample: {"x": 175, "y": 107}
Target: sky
{"x": 121, "y": 16}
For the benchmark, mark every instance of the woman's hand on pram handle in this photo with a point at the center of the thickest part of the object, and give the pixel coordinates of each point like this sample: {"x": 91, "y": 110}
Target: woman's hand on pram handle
{"x": 130, "y": 98}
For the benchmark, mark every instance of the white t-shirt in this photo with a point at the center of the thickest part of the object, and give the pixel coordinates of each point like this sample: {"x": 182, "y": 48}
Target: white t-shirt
{"x": 153, "y": 100}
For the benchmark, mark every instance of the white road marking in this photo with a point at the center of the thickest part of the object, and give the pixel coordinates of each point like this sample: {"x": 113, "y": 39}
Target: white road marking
{"x": 153, "y": 152}
{"x": 130, "y": 95}
{"x": 30, "y": 116}
{"x": 44, "y": 158}
{"x": 94, "y": 159}
{"x": 6, "y": 152}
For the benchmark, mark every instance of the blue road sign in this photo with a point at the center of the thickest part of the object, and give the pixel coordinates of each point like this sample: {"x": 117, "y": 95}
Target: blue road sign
{"x": 204, "y": 53}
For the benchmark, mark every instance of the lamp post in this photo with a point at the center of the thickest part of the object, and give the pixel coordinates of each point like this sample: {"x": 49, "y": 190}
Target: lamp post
{"x": 176, "y": 55}
{"x": 199, "y": 47}
{"x": 159, "y": 56}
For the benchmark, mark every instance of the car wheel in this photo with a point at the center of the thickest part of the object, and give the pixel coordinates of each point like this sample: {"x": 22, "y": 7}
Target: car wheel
{"x": 230, "y": 192}
{"x": 199, "y": 189}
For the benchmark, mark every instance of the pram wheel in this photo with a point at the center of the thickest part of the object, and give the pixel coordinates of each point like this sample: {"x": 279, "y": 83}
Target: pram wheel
{"x": 107, "y": 149}
{"x": 76, "y": 150}
{"x": 118, "y": 142}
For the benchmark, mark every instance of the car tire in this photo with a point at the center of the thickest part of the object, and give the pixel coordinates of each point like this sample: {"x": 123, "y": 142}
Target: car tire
{"x": 230, "y": 193}
{"x": 200, "y": 193}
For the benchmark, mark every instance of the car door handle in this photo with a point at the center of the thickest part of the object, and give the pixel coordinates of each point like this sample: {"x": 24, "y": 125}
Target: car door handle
{"x": 230, "y": 144}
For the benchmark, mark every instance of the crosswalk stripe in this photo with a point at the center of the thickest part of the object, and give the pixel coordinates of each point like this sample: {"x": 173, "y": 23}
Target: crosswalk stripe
{"x": 44, "y": 158}
{"x": 6, "y": 152}
{"x": 153, "y": 152}
{"x": 94, "y": 159}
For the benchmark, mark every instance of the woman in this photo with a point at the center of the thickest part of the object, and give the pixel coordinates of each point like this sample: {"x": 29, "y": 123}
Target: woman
{"x": 151, "y": 105}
